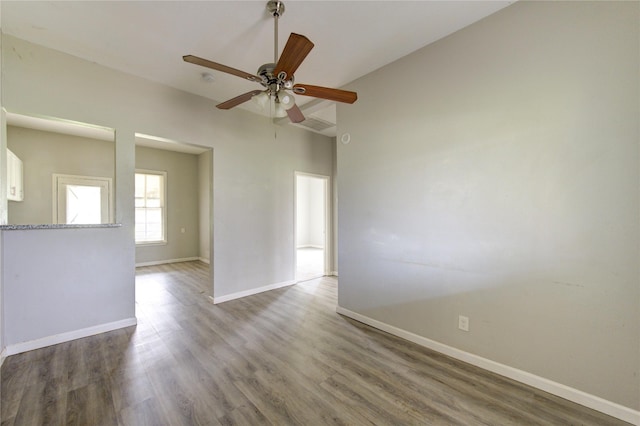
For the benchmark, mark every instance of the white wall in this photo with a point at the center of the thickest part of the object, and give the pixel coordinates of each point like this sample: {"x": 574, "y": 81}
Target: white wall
{"x": 302, "y": 211}
{"x": 497, "y": 178}
{"x": 316, "y": 212}
{"x": 253, "y": 170}
{"x": 310, "y": 201}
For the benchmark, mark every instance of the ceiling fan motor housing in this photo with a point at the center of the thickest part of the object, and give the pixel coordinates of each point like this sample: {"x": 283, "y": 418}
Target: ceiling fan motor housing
{"x": 272, "y": 82}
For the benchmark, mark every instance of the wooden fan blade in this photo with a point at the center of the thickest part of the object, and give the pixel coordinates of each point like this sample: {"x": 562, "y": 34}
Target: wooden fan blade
{"x": 238, "y": 100}
{"x": 219, "y": 67}
{"x": 295, "y": 115}
{"x": 296, "y": 49}
{"x": 337, "y": 95}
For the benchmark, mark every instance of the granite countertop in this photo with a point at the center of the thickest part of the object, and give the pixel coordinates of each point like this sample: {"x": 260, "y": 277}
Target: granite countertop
{"x": 57, "y": 226}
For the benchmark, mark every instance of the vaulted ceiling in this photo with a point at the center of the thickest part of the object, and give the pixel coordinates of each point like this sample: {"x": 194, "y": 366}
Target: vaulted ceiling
{"x": 149, "y": 38}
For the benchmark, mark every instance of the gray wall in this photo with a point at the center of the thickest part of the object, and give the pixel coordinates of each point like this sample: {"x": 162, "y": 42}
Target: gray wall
{"x": 499, "y": 180}
{"x": 253, "y": 176}
{"x": 205, "y": 186}
{"x": 182, "y": 204}
{"x": 44, "y": 153}
{"x": 57, "y": 281}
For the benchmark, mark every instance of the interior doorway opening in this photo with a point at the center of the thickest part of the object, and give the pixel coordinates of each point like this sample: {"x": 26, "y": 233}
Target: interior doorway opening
{"x": 312, "y": 224}
{"x": 182, "y": 208}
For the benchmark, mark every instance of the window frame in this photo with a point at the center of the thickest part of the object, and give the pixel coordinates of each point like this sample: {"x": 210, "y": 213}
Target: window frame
{"x": 163, "y": 206}
{"x": 60, "y": 181}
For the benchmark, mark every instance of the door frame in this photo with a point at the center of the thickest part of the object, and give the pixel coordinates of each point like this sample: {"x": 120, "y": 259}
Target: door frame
{"x": 167, "y": 145}
{"x": 60, "y": 181}
{"x": 328, "y": 240}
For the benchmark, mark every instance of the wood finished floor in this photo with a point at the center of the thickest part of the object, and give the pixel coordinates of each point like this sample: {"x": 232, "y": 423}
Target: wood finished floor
{"x": 281, "y": 357}
{"x": 309, "y": 263}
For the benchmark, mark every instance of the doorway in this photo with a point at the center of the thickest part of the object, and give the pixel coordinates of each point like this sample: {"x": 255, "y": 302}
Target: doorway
{"x": 82, "y": 200}
{"x": 173, "y": 206}
{"x": 311, "y": 225}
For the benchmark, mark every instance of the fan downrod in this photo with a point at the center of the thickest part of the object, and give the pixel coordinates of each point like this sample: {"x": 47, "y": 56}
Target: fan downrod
{"x": 274, "y": 83}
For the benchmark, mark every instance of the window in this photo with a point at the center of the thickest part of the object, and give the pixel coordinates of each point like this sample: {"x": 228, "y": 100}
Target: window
{"x": 150, "y": 207}
{"x": 82, "y": 200}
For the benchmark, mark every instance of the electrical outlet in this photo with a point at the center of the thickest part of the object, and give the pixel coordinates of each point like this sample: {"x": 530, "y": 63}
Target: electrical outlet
{"x": 463, "y": 323}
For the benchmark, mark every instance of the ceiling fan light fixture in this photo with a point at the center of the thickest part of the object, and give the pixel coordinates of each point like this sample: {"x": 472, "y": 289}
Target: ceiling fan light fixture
{"x": 275, "y": 104}
{"x": 279, "y": 110}
{"x": 286, "y": 99}
{"x": 261, "y": 99}
{"x": 277, "y": 76}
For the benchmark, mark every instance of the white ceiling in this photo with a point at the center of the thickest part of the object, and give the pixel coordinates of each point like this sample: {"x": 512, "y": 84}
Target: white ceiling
{"x": 149, "y": 38}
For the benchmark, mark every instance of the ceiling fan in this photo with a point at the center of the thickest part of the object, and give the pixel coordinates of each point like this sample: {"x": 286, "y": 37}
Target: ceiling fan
{"x": 278, "y": 77}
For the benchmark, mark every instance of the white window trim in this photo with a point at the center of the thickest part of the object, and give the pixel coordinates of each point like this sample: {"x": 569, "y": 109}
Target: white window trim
{"x": 164, "y": 209}
{"x": 57, "y": 178}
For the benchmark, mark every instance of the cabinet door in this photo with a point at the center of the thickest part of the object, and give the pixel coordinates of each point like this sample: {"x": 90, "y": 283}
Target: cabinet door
{"x": 14, "y": 177}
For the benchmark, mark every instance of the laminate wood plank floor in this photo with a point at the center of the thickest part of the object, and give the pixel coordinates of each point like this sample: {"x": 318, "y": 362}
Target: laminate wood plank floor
{"x": 309, "y": 263}
{"x": 282, "y": 357}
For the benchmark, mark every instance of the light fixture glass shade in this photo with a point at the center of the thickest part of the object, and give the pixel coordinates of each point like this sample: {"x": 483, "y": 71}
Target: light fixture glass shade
{"x": 275, "y": 105}
{"x": 261, "y": 99}
{"x": 279, "y": 110}
{"x": 286, "y": 99}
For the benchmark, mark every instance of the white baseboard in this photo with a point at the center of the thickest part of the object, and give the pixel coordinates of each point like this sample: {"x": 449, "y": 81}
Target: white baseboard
{"x": 251, "y": 292}
{"x": 594, "y": 402}
{"x": 310, "y": 246}
{"x": 68, "y": 336}
{"x": 204, "y": 259}
{"x": 3, "y": 355}
{"x": 164, "y": 262}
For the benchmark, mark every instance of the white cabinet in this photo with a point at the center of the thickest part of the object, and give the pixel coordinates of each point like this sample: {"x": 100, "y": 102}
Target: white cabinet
{"x": 14, "y": 177}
